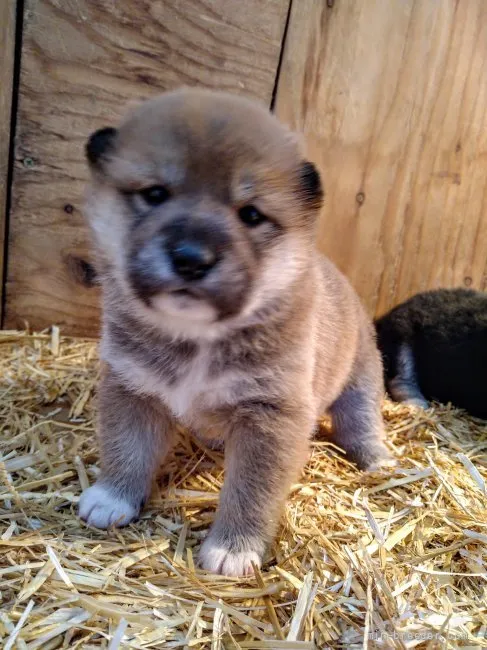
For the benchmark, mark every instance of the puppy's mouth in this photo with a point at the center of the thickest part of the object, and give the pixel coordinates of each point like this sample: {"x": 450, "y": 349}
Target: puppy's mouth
{"x": 187, "y": 303}
{"x": 149, "y": 286}
{"x": 210, "y": 299}
{"x": 185, "y": 298}
{"x": 185, "y": 293}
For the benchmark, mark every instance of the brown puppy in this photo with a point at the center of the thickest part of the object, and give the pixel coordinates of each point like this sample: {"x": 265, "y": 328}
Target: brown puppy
{"x": 219, "y": 313}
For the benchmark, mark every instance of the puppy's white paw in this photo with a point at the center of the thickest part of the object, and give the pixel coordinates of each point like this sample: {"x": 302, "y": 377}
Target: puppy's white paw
{"x": 101, "y": 508}
{"x": 218, "y": 559}
{"x": 417, "y": 402}
{"x": 384, "y": 462}
{"x": 371, "y": 455}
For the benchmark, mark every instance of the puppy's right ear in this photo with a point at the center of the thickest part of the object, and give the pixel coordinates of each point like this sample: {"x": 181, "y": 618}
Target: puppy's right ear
{"x": 100, "y": 144}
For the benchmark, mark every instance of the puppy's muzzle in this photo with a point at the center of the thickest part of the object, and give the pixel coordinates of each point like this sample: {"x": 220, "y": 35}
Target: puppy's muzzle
{"x": 190, "y": 259}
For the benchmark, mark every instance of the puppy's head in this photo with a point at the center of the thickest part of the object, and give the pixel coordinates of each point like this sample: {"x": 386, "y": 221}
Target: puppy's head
{"x": 202, "y": 207}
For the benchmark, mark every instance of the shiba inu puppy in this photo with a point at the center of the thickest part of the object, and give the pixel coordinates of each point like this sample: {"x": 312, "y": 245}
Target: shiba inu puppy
{"x": 220, "y": 314}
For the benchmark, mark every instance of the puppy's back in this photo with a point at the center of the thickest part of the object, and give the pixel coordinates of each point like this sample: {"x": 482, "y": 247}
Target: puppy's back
{"x": 446, "y": 333}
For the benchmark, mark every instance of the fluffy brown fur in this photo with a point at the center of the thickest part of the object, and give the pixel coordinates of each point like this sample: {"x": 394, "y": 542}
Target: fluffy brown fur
{"x": 220, "y": 313}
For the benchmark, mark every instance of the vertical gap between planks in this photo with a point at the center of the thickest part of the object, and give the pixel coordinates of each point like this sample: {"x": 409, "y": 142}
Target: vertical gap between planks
{"x": 19, "y": 26}
{"x": 281, "y": 56}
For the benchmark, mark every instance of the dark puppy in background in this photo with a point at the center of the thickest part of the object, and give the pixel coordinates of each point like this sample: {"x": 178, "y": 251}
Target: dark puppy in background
{"x": 219, "y": 313}
{"x": 434, "y": 347}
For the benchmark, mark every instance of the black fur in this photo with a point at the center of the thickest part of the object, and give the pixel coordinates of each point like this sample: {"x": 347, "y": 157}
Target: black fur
{"x": 446, "y": 330}
{"x": 99, "y": 144}
{"x": 310, "y": 185}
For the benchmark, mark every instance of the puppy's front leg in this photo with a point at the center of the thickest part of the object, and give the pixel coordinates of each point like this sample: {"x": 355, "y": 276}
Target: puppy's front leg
{"x": 135, "y": 433}
{"x": 265, "y": 450}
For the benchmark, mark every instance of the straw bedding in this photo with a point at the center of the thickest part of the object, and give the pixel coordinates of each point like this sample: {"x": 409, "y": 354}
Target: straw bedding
{"x": 392, "y": 560}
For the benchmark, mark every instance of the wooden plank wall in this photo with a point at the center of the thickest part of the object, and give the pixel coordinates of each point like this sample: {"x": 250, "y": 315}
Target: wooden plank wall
{"x": 7, "y": 54}
{"x": 392, "y": 97}
{"x": 81, "y": 63}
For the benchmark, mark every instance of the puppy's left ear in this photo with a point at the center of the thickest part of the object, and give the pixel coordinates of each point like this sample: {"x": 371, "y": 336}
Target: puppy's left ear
{"x": 100, "y": 144}
{"x": 310, "y": 185}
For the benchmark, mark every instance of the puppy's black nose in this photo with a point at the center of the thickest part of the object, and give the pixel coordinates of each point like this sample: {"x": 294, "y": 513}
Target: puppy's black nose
{"x": 191, "y": 260}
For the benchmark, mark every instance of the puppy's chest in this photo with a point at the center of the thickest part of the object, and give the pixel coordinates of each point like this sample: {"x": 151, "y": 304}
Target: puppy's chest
{"x": 197, "y": 388}
{"x": 191, "y": 387}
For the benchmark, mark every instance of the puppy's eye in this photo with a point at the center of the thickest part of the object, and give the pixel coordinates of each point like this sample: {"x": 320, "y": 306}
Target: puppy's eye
{"x": 250, "y": 216}
{"x": 155, "y": 195}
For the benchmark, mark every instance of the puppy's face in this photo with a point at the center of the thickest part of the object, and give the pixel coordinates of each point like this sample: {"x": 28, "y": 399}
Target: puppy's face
{"x": 202, "y": 207}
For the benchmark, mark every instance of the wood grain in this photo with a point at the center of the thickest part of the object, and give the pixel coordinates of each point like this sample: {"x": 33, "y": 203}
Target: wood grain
{"x": 82, "y": 61}
{"x": 7, "y": 54}
{"x": 392, "y": 97}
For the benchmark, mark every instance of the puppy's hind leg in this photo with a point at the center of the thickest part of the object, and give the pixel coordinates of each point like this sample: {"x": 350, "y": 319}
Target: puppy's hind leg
{"x": 135, "y": 434}
{"x": 404, "y": 386}
{"x": 358, "y": 427}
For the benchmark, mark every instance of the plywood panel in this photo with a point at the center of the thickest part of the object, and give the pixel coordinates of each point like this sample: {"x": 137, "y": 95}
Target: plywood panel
{"x": 392, "y": 97}
{"x": 7, "y": 53}
{"x": 82, "y": 61}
